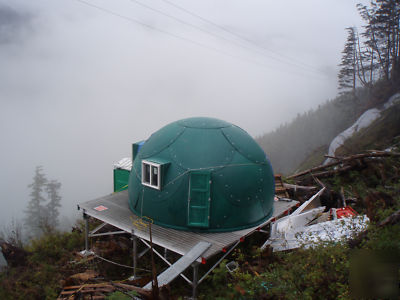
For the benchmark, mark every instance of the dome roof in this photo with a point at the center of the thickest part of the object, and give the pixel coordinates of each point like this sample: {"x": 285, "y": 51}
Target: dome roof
{"x": 202, "y": 174}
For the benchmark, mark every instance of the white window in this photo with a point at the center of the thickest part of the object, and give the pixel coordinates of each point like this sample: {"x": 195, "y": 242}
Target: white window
{"x": 151, "y": 174}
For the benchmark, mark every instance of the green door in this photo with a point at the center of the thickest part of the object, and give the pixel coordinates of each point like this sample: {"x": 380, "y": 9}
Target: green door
{"x": 199, "y": 199}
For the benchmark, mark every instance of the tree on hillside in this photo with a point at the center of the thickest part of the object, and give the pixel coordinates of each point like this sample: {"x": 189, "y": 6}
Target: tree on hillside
{"x": 35, "y": 211}
{"x": 381, "y": 38}
{"x": 42, "y": 212}
{"x": 52, "y": 189}
{"x": 347, "y": 73}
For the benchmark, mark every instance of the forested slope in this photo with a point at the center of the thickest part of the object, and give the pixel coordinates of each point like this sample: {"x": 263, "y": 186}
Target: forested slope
{"x": 291, "y": 143}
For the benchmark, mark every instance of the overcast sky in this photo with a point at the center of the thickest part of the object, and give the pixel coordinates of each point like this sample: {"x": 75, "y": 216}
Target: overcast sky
{"x": 81, "y": 80}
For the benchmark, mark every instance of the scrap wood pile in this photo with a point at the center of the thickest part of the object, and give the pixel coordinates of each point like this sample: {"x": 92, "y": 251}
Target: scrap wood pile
{"x": 85, "y": 286}
{"x": 100, "y": 291}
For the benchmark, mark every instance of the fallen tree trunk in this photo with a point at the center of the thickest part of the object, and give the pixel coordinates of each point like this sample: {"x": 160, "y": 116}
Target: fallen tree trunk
{"x": 333, "y": 172}
{"x": 299, "y": 187}
{"x": 342, "y": 160}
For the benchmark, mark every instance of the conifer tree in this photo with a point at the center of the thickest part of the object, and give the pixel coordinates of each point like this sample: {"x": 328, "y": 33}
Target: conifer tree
{"x": 35, "y": 212}
{"x": 382, "y": 36}
{"x": 54, "y": 204}
{"x": 43, "y": 208}
{"x": 347, "y": 73}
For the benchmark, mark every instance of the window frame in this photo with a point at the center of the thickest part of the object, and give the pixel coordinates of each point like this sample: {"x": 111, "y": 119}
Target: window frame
{"x": 152, "y": 165}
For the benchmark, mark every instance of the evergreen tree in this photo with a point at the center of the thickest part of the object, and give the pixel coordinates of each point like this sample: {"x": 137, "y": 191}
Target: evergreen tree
{"x": 347, "y": 73}
{"x": 36, "y": 211}
{"x": 42, "y": 212}
{"x": 382, "y": 37}
{"x": 53, "y": 205}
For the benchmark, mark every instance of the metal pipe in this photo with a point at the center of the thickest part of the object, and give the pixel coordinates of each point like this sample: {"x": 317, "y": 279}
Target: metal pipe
{"x": 98, "y": 228}
{"x": 143, "y": 252}
{"x": 166, "y": 261}
{"x": 218, "y": 262}
{"x": 107, "y": 233}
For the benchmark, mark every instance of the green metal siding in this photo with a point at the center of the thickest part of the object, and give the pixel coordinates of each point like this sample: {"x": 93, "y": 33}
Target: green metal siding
{"x": 121, "y": 179}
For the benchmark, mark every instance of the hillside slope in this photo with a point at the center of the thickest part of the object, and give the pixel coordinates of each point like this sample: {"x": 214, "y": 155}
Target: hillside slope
{"x": 291, "y": 143}
{"x": 374, "y": 134}
{"x": 303, "y": 142}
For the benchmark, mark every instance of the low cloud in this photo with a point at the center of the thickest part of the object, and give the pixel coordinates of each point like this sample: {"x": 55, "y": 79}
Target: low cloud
{"x": 13, "y": 24}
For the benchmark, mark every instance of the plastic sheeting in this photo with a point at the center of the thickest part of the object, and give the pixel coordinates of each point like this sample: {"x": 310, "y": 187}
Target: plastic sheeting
{"x": 291, "y": 234}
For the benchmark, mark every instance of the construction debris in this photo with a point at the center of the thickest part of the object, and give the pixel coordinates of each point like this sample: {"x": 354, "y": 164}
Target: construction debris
{"x": 100, "y": 290}
{"x": 83, "y": 277}
{"x": 307, "y": 226}
{"x": 280, "y": 188}
{"x": 308, "y": 236}
{"x": 86, "y": 291}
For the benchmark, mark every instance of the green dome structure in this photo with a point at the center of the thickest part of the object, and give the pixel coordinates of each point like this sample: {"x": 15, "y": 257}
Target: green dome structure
{"x": 203, "y": 175}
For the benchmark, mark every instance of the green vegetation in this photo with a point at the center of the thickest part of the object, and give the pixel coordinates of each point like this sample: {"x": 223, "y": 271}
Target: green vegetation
{"x": 47, "y": 264}
{"x": 325, "y": 271}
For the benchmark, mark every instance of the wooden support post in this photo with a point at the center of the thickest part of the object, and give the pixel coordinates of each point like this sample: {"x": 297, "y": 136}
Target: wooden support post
{"x": 134, "y": 254}
{"x": 195, "y": 282}
{"x": 86, "y": 218}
